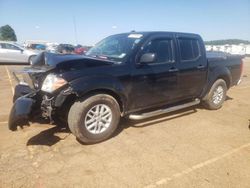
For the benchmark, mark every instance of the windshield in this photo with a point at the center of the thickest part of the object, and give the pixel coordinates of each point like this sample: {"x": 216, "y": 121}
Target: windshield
{"x": 116, "y": 47}
{"x": 19, "y": 45}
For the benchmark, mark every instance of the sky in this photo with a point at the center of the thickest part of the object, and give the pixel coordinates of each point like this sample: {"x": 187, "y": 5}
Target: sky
{"x": 87, "y": 22}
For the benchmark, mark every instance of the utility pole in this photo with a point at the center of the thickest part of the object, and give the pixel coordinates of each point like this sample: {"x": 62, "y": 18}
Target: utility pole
{"x": 75, "y": 31}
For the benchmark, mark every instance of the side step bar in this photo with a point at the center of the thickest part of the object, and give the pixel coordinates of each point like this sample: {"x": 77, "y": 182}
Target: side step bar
{"x": 163, "y": 111}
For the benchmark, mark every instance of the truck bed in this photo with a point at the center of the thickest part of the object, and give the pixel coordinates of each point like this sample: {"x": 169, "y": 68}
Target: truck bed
{"x": 232, "y": 64}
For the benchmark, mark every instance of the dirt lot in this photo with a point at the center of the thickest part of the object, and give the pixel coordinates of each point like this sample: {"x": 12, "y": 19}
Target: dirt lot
{"x": 190, "y": 148}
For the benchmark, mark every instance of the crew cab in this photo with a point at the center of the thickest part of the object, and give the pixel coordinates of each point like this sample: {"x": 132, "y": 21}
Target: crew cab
{"x": 135, "y": 75}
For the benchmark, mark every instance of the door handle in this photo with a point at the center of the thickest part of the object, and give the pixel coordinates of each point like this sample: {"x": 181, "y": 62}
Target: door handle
{"x": 173, "y": 69}
{"x": 200, "y": 67}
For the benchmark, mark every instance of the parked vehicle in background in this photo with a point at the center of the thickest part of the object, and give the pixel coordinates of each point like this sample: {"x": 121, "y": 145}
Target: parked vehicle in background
{"x": 79, "y": 49}
{"x": 136, "y": 75}
{"x": 52, "y": 47}
{"x": 40, "y": 47}
{"x": 240, "y": 49}
{"x": 65, "y": 49}
{"x": 11, "y": 52}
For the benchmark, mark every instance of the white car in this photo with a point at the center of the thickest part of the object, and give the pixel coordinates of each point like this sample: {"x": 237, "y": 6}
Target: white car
{"x": 11, "y": 52}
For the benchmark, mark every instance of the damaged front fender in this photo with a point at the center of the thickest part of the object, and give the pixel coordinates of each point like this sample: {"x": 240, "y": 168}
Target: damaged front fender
{"x": 20, "y": 112}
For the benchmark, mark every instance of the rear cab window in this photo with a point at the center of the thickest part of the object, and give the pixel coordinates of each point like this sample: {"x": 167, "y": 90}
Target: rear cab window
{"x": 189, "y": 49}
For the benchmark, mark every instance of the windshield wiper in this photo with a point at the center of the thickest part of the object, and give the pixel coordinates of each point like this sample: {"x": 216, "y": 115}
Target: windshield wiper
{"x": 102, "y": 57}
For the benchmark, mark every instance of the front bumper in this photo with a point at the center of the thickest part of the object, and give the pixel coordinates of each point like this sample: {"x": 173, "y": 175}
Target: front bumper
{"x": 35, "y": 106}
{"x": 21, "y": 90}
{"x": 21, "y": 112}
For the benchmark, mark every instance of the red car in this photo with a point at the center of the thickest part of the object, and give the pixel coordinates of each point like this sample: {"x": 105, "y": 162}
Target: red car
{"x": 79, "y": 49}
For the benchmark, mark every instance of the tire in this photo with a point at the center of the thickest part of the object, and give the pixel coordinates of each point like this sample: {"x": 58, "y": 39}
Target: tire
{"x": 31, "y": 59}
{"x": 216, "y": 95}
{"x": 80, "y": 115}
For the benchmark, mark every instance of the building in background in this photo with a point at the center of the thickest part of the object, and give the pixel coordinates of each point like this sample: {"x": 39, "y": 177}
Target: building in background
{"x": 240, "y": 49}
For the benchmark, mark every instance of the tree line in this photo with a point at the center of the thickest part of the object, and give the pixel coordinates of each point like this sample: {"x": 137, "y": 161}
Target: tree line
{"x": 227, "y": 41}
{"x": 7, "y": 33}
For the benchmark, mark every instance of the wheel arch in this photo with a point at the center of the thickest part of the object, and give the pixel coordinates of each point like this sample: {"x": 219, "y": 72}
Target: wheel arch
{"x": 30, "y": 57}
{"x": 223, "y": 77}
{"x": 98, "y": 84}
{"x": 226, "y": 78}
{"x": 66, "y": 103}
{"x": 119, "y": 99}
{"x": 219, "y": 73}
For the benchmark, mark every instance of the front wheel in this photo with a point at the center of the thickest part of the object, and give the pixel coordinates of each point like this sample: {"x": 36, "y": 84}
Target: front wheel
{"x": 31, "y": 59}
{"x": 216, "y": 95}
{"x": 94, "y": 119}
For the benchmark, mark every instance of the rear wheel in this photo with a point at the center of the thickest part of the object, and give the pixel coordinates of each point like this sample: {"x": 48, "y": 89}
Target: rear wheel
{"x": 216, "y": 95}
{"x": 94, "y": 119}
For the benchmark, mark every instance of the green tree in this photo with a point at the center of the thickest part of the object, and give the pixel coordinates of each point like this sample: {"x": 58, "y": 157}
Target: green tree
{"x": 7, "y": 33}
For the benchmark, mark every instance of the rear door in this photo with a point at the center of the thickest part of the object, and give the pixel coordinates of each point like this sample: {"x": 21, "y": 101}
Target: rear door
{"x": 192, "y": 65}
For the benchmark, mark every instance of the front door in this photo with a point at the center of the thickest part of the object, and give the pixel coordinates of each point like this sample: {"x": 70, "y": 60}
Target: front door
{"x": 156, "y": 83}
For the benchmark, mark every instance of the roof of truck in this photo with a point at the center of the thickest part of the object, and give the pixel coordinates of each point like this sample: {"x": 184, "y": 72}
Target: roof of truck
{"x": 162, "y": 32}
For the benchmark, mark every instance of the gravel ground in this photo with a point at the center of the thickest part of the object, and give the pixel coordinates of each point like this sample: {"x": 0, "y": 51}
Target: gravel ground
{"x": 194, "y": 147}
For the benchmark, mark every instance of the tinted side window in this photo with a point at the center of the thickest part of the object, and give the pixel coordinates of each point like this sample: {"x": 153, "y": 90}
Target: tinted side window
{"x": 189, "y": 48}
{"x": 9, "y": 46}
{"x": 162, "y": 48}
{"x": 3, "y": 45}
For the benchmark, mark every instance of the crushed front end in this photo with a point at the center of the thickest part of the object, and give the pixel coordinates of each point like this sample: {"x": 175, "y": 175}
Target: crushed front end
{"x": 22, "y": 111}
{"x": 37, "y": 105}
{"x": 38, "y": 95}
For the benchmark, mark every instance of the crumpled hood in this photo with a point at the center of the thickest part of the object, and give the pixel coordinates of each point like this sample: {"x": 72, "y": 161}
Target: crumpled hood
{"x": 48, "y": 61}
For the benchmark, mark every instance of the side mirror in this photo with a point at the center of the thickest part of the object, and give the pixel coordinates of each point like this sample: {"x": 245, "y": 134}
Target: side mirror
{"x": 21, "y": 50}
{"x": 148, "y": 58}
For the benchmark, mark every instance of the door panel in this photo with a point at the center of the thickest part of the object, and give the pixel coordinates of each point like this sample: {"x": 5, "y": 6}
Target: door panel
{"x": 4, "y": 56}
{"x": 192, "y": 66}
{"x": 155, "y": 83}
{"x": 11, "y": 53}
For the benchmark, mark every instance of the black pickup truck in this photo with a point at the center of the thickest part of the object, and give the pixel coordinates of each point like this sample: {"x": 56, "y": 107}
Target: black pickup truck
{"x": 135, "y": 75}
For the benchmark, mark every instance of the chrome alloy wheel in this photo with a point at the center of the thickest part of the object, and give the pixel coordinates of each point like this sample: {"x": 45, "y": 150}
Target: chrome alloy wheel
{"x": 98, "y": 119}
{"x": 218, "y": 95}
